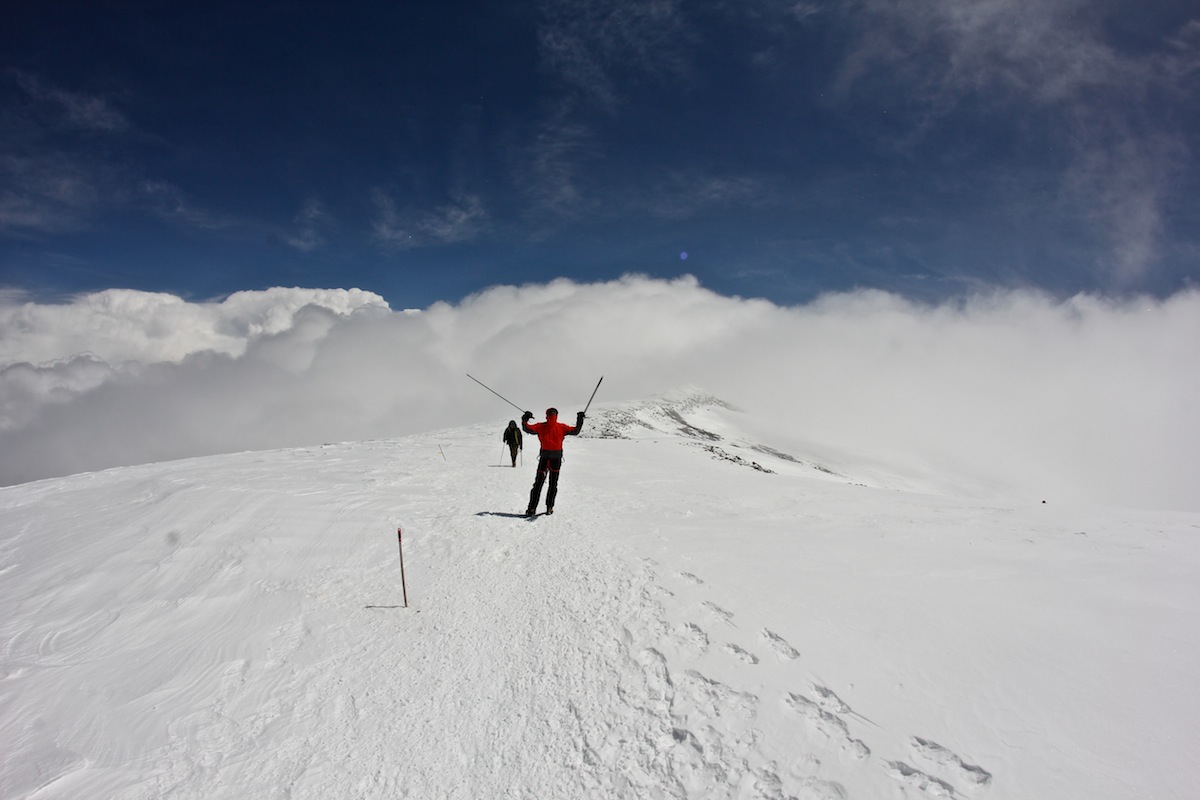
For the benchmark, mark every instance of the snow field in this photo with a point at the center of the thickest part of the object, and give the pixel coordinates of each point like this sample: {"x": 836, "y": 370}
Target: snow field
{"x": 687, "y": 625}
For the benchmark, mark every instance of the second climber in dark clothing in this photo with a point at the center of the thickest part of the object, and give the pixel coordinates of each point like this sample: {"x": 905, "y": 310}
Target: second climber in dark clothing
{"x": 550, "y": 436}
{"x": 512, "y": 438}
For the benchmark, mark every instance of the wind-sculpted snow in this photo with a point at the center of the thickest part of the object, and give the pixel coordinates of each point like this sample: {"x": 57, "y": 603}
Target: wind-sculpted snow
{"x": 682, "y": 627}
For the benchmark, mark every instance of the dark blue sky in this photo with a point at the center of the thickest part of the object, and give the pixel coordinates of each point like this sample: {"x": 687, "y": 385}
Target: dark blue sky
{"x": 427, "y": 149}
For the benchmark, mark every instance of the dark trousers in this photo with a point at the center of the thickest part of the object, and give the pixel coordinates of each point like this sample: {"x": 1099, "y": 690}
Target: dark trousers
{"x": 548, "y": 463}
{"x": 512, "y": 448}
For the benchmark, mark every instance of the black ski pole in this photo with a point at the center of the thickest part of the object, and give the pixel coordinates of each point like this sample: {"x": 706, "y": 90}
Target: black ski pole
{"x": 502, "y": 397}
{"x": 593, "y": 397}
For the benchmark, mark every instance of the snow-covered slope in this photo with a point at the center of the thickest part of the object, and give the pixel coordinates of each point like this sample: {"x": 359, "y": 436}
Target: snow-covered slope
{"x": 711, "y": 612}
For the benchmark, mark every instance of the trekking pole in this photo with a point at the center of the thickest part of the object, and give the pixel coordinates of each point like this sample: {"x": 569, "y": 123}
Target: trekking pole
{"x": 501, "y": 464}
{"x": 593, "y": 397}
{"x": 493, "y": 391}
{"x": 403, "y": 583}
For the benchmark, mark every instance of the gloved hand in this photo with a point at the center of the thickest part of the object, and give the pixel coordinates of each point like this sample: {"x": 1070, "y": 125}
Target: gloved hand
{"x": 528, "y": 415}
{"x": 579, "y": 418}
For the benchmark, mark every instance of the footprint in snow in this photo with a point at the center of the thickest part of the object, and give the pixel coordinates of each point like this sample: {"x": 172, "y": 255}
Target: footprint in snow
{"x": 932, "y": 751}
{"x": 691, "y": 636}
{"x": 652, "y": 689}
{"x": 713, "y": 699}
{"x": 817, "y": 789}
{"x": 911, "y": 776}
{"x": 655, "y": 591}
{"x": 780, "y": 646}
{"x": 768, "y": 784}
{"x": 718, "y": 612}
{"x": 827, "y": 724}
{"x": 829, "y": 701}
{"x": 740, "y": 654}
{"x": 692, "y": 579}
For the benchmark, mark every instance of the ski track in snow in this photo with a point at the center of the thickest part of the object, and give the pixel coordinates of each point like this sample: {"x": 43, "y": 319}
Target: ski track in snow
{"x": 258, "y": 606}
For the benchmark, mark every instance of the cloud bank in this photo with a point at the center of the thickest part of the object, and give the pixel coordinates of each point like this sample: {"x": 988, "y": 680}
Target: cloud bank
{"x": 1085, "y": 400}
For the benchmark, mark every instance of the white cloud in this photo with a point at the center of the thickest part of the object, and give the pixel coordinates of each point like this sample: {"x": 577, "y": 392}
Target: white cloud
{"x": 1080, "y": 400}
{"x": 119, "y": 325}
{"x": 25, "y": 388}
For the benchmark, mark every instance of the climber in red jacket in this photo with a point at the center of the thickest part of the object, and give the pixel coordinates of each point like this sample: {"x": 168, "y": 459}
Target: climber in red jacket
{"x": 550, "y": 436}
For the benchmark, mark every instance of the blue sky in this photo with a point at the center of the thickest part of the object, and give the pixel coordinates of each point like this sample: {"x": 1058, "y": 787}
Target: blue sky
{"x": 425, "y": 150}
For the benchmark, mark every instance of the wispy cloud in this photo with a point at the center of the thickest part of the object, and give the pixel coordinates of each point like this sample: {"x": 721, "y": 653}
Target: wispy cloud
{"x": 1126, "y": 179}
{"x": 943, "y": 51}
{"x": 590, "y": 46}
{"x": 48, "y": 192}
{"x": 1055, "y": 59}
{"x": 591, "y": 52}
{"x": 51, "y": 178}
{"x": 71, "y": 109}
{"x": 461, "y": 220}
{"x": 682, "y": 194}
{"x": 172, "y": 203}
{"x": 804, "y": 9}
{"x": 305, "y": 235}
{"x": 551, "y": 166}
{"x": 62, "y": 168}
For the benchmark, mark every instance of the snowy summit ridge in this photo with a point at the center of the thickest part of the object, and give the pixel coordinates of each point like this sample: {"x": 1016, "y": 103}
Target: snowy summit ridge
{"x": 698, "y": 419}
{"x": 708, "y": 614}
{"x": 662, "y": 415}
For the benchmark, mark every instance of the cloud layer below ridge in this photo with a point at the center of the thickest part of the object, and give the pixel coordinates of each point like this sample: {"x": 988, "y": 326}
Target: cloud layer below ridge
{"x": 1088, "y": 399}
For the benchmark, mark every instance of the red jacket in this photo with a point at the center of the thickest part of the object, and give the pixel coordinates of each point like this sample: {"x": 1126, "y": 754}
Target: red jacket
{"x": 551, "y": 432}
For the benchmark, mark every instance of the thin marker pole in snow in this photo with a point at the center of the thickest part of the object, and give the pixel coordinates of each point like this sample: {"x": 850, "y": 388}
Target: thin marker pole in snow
{"x": 403, "y": 583}
{"x": 443, "y": 453}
